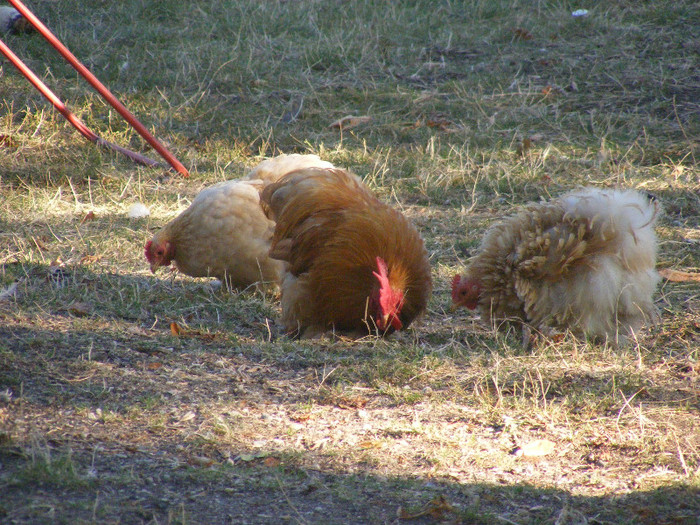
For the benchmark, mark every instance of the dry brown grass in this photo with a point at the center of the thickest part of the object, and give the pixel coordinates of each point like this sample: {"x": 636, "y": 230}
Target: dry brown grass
{"x": 107, "y": 417}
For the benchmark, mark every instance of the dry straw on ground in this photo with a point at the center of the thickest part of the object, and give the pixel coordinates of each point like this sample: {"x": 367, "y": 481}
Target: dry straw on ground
{"x": 109, "y": 415}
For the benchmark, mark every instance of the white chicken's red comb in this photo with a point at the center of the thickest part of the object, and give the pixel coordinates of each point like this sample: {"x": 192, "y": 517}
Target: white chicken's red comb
{"x": 147, "y": 250}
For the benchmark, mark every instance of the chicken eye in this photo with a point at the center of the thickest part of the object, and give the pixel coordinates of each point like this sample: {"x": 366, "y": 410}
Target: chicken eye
{"x": 159, "y": 251}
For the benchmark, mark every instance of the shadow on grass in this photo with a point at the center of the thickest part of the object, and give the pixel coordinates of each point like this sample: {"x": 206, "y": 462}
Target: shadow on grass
{"x": 152, "y": 486}
{"x": 92, "y": 395}
{"x": 68, "y": 322}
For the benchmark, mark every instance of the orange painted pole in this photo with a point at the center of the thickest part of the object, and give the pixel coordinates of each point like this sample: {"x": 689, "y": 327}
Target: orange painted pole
{"x": 70, "y": 117}
{"x": 36, "y": 81}
{"x": 101, "y": 89}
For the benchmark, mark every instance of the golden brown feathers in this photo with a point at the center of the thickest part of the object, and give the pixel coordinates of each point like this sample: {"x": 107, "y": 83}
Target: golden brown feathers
{"x": 330, "y": 232}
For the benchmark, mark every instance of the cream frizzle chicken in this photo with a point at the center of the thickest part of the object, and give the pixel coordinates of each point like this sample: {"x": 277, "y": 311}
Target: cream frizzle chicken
{"x": 584, "y": 262}
{"x": 224, "y": 233}
{"x": 353, "y": 264}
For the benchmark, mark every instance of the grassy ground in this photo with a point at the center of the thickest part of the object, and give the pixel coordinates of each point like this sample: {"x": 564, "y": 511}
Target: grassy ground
{"x": 107, "y": 416}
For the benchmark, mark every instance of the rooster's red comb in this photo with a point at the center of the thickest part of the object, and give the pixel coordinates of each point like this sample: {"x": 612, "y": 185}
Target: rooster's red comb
{"x": 383, "y": 275}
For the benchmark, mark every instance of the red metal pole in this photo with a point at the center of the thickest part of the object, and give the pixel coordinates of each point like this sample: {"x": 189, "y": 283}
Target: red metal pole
{"x": 92, "y": 79}
{"x": 70, "y": 117}
{"x": 36, "y": 81}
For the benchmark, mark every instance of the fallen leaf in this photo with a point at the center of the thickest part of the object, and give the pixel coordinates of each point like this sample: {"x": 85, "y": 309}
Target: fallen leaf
{"x": 80, "y": 309}
{"x": 441, "y": 124}
{"x": 201, "y": 461}
{"x": 89, "y": 216}
{"x": 550, "y": 91}
{"x": 271, "y": 462}
{"x": 437, "y": 508}
{"x": 522, "y": 34}
{"x": 536, "y": 448}
{"x": 188, "y": 417}
{"x": 343, "y": 401}
{"x": 349, "y": 122}
{"x": 177, "y": 331}
{"x": 370, "y": 443}
{"x": 154, "y": 366}
{"x": 678, "y": 276}
{"x": 89, "y": 259}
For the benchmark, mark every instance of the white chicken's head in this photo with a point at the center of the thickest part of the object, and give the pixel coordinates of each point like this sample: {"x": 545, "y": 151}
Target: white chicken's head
{"x": 158, "y": 253}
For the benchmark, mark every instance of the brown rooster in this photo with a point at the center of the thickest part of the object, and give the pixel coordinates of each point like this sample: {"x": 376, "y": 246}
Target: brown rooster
{"x": 353, "y": 264}
{"x": 583, "y": 262}
{"x": 224, "y": 233}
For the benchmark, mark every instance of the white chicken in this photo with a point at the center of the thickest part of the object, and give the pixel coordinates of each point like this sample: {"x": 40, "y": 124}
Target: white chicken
{"x": 583, "y": 262}
{"x": 224, "y": 233}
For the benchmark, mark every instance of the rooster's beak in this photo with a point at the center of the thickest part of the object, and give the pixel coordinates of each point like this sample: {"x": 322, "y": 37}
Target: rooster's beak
{"x": 391, "y": 320}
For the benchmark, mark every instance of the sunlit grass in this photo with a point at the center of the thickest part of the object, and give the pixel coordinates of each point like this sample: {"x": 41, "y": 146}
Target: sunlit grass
{"x": 475, "y": 108}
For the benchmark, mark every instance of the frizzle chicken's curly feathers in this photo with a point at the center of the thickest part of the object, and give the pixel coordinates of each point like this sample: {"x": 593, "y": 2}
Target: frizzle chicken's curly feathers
{"x": 584, "y": 261}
